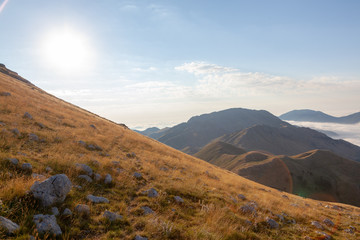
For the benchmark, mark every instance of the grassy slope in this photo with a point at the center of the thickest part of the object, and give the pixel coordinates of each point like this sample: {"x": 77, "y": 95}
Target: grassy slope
{"x": 207, "y": 213}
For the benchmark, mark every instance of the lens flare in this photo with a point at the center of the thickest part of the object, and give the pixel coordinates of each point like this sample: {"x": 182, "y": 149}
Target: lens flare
{"x": 3, "y": 5}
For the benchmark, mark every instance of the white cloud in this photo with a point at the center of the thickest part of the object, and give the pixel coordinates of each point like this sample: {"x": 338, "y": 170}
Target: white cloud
{"x": 201, "y": 68}
{"x": 149, "y": 69}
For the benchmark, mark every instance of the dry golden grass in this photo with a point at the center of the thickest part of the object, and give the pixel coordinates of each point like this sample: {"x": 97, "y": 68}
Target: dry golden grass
{"x": 208, "y": 211}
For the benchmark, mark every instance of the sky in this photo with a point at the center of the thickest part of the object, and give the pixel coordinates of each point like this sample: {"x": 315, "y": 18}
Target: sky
{"x": 157, "y": 63}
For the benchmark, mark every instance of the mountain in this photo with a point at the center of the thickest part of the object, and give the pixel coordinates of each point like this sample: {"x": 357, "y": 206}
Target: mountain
{"x": 317, "y": 174}
{"x": 289, "y": 140}
{"x": 307, "y": 115}
{"x": 191, "y": 136}
{"x": 153, "y": 132}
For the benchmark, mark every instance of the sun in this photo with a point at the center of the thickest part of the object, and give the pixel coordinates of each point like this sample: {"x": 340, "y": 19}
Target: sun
{"x": 67, "y": 50}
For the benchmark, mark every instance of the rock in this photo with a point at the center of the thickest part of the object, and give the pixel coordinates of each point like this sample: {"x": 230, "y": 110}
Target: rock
{"x": 38, "y": 176}
{"x": 27, "y": 115}
{"x": 272, "y": 223}
{"x": 55, "y": 211}
{"x": 86, "y": 178}
{"x": 152, "y": 193}
{"x": 95, "y": 199}
{"x": 324, "y": 235}
{"x": 14, "y": 161}
{"x": 82, "y": 143}
{"x": 285, "y": 196}
{"x": 240, "y": 196}
{"x": 33, "y": 137}
{"x": 84, "y": 168}
{"x": 112, "y": 216}
{"x": 137, "y": 175}
{"x": 233, "y": 199}
{"x": 97, "y": 177}
{"x": 2, "y": 124}
{"x": 131, "y": 155}
{"x": 328, "y": 222}
{"x": 52, "y": 190}
{"x": 5, "y": 94}
{"x": 15, "y": 131}
{"x": 337, "y": 208}
{"x": 178, "y": 199}
{"x": 248, "y": 209}
{"x": 40, "y": 125}
{"x": 67, "y": 212}
{"x": 281, "y": 217}
{"x": 26, "y": 167}
{"x": 82, "y": 209}
{"x": 9, "y": 226}
{"x": 165, "y": 169}
{"x": 317, "y": 225}
{"x": 93, "y": 147}
{"x": 108, "y": 179}
{"x": 138, "y": 237}
{"x": 93, "y": 126}
{"x": 48, "y": 169}
{"x": 47, "y": 224}
{"x": 147, "y": 210}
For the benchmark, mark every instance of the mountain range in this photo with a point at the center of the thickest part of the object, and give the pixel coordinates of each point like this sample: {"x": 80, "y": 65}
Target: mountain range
{"x": 307, "y": 115}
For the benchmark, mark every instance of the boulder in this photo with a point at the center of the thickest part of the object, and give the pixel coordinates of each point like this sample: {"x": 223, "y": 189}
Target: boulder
{"x": 9, "y": 226}
{"x": 152, "y": 193}
{"x": 272, "y": 223}
{"x": 317, "y": 225}
{"x": 38, "y": 176}
{"x": 67, "y": 212}
{"x": 112, "y": 216}
{"x": 248, "y": 209}
{"x": 47, "y": 224}
{"x": 97, "y": 177}
{"x": 95, "y": 199}
{"x": 147, "y": 210}
{"x": 33, "y": 137}
{"x": 328, "y": 222}
{"x": 55, "y": 211}
{"x": 240, "y": 196}
{"x": 13, "y": 161}
{"x": 15, "y": 131}
{"x": 82, "y": 209}
{"x": 27, "y": 115}
{"x": 137, "y": 175}
{"x": 52, "y": 190}
{"x": 5, "y": 94}
{"x": 108, "y": 179}
{"x": 26, "y": 167}
{"x": 84, "y": 168}
{"x": 138, "y": 237}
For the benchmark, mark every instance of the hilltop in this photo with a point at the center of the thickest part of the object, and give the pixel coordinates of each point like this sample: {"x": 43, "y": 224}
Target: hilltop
{"x": 128, "y": 186}
{"x": 307, "y": 115}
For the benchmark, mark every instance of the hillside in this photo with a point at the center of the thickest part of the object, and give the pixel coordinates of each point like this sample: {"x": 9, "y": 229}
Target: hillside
{"x": 315, "y": 174}
{"x": 307, "y": 115}
{"x": 289, "y": 140}
{"x": 127, "y": 186}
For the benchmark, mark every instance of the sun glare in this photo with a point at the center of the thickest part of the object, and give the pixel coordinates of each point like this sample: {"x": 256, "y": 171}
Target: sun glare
{"x": 67, "y": 50}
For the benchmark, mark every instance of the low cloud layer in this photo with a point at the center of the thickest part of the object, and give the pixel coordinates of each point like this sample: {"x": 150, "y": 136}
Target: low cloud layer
{"x": 347, "y": 132}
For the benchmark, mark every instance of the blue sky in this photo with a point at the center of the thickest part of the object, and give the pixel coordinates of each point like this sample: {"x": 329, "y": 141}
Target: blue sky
{"x": 157, "y": 63}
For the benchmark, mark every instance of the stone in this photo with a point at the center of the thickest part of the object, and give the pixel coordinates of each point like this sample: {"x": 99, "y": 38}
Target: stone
{"x": 33, "y": 137}
{"x": 95, "y": 199}
{"x": 317, "y": 225}
{"x": 285, "y": 196}
{"x": 86, "y": 178}
{"x": 55, "y": 211}
{"x": 93, "y": 126}
{"x": 281, "y": 217}
{"x": 248, "y": 209}
{"x": 5, "y": 94}
{"x": 26, "y": 167}
{"x": 67, "y": 212}
{"x": 138, "y": 237}
{"x": 47, "y": 224}
{"x": 15, "y": 131}
{"x": 9, "y": 226}
{"x": 82, "y": 209}
{"x": 48, "y": 169}
{"x": 2, "y": 124}
{"x": 131, "y": 155}
{"x": 233, "y": 199}
{"x": 147, "y": 210}
{"x": 272, "y": 223}
{"x": 97, "y": 177}
{"x": 240, "y": 196}
{"x": 82, "y": 143}
{"x": 108, "y": 179}
{"x": 38, "y": 176}
{"x": 14, "y": 161}
{"x": 40, "y": 125}
{"x": 152, "y": 193}
{"x": 112, "y": 216}
{"x": 178, "y": 199}
{"x": 84, "y": 168}
{"x": 324, "y": 235}
{"x": 328, "y": 222}
{"x": 27, "y": 115}
{"x": 52, "y": 190}
{"x": 137, "y": 175}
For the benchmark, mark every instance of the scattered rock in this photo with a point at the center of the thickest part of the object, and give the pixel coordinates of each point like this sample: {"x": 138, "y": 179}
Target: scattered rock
{"x": 97, "y": 177}
{"x": 337, "y": 208}
{"x": 55, "y": 211}
{"x": 82, "y": 209}
{"x": 52, "y": 190}
{"x": 281, "y": 217}
{"x": 165, "y": 169}
{"x": 240, "y": 196}
{"x": 152, "y": 193}
{"x": 131, "y": 155}
{"x": 112, "y": 216}
{"x": 317, "y": 225}
{"x": 5, "y": 94}
{"x": 178, "y": 199}
{"x": 82, "y": 143}
{"x": 2, "y": 124}
{"x": 26, "y": 167}
{"x": 147, "y": 210}
{"x": 47, "y": 224}
{"x": 138, "y": 237}
{"x": 93, "y": 147}
{"x": 16, "y": 132}
{"x": 108, "y": 179}
{"x": 272, "y": 223}
{"x": 38, "y": 176}
{"x": 325, "y": 236}
{"x": 86, "y": 178}
{"x": 14, "y": 161}
{"x": 285, "y": 196}
{"x": 137, "y": 175}
{"x": 27, "y": 115}
{"x": 233, "y": 199}
{"x": 93, "y": 126}
{"x": 33, "y": 137}
{"x": 48, "y": 169}
{"x": 9, "y": 226}
{"x": 248, "y": 209}
{"x": 67, "y": 212}
{"x": 95, "y": 199}
{"x": 328, "y": 222}
{"x": 84, "y": 168}
{"x": 40, "y": 125}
